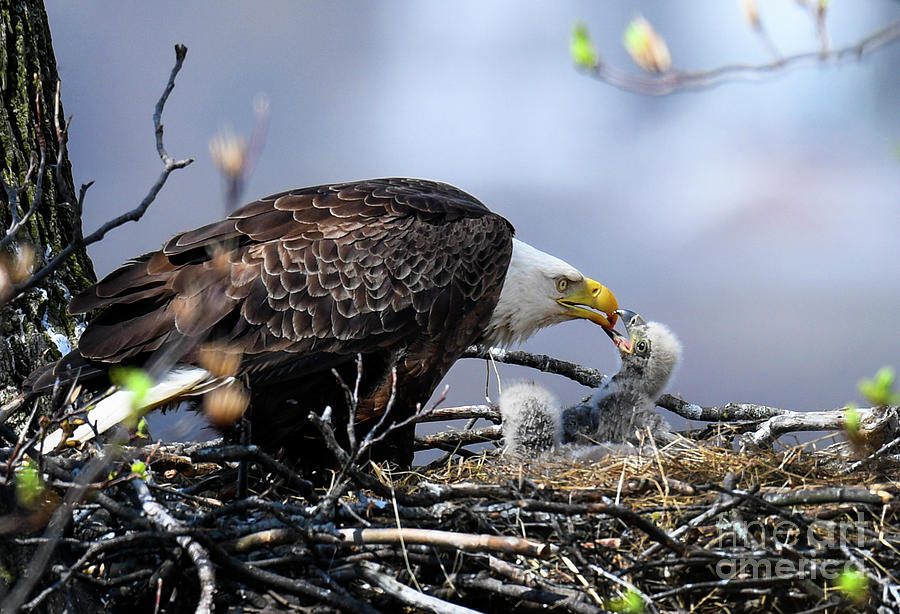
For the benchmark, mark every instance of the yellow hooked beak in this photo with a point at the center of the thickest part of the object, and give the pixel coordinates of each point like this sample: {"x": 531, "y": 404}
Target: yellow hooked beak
{"x": 597, "y": 297}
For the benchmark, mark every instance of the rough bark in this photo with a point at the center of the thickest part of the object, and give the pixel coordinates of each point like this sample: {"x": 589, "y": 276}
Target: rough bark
{"x": 34, "y": 328}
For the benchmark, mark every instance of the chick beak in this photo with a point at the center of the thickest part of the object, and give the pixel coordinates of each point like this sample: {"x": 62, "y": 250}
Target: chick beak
{"x": 631, "y": 319}
{"x": 622, "y": 342}
{"x": 598, "y": 298}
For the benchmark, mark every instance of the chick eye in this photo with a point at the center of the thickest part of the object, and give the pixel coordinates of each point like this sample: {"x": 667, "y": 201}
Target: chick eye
{"x": 642, "y": 346}
{"x": 561, "y": 284}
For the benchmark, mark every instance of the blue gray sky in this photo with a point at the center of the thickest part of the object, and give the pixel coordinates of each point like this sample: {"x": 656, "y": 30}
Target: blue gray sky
{"x": 760, "y": 221}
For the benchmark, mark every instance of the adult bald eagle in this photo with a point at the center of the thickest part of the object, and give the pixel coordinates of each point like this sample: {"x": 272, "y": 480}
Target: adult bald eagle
{"x": 405, "y": 272}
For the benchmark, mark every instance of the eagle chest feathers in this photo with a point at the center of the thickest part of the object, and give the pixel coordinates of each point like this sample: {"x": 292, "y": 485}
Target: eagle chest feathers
{"x": 405, "y": 272}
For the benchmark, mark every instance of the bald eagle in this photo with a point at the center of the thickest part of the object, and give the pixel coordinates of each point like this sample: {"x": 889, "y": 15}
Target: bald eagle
{"x": 405, "y": 273}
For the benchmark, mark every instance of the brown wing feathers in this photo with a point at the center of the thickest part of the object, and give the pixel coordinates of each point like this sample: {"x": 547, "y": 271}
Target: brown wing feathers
{"x": 330, "y": 269}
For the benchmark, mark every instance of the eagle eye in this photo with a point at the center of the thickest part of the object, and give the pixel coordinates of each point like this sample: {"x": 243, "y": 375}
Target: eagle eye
{"x": 642, "y": 346}
{"x": 561, "y": 284}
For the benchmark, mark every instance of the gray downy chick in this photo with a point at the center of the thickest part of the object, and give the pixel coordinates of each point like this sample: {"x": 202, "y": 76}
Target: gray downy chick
{"x": 621, "y": 409}
{"x": 531, "y": 419}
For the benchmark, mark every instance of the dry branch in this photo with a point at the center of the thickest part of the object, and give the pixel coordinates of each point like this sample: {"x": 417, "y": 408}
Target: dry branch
{"x": 160, "y": 517}
{"x": 444, "y": 414}
{"x": 448, "y": 539}
{"x": 873, "y": 420}
{"x": 169, "y": 165}
{"x": 729, "y": 412}
{"x": 674, "y": 80}
{"x": 587, "y": 376}
{"x": 575, "y": 372}
{"x": 404, "y": 594}
{"x": 456, "y": 438}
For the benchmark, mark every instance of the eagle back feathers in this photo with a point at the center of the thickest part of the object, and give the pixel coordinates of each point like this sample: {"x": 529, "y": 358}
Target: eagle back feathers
{"x": 323, "y": 271}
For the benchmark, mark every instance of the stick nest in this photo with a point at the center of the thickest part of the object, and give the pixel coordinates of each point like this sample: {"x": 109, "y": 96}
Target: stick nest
{"x": 690, "y": 527}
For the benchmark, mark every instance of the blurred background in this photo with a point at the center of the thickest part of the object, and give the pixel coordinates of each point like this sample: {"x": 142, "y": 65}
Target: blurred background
{"x": 760, "y": 220}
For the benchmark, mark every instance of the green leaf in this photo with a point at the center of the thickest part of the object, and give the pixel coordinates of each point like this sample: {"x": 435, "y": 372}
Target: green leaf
{"x": 29, "y": 485}
{"x": 636, "y": 38}
{"x": 629, "y": 603}
{"x": 582, "y": 48}
{"x": 143, "y": 430}
{"x": 853, "y": 584}
{"x": 880, "y": 389}
{"x": 139, "y": 468}
{"x": 851, "y": 421}
{"x": 135, "y": 380}
{"x": 646, "y": 47}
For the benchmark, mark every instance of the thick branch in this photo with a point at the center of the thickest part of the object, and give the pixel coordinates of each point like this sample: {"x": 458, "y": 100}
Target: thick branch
{"x": 729, "y": 412}
{"x": 583, "y": 375}
{"x": 443, "y": 414}
{"x": 592, "y": 377}
{"x": 833, "y": 420}
{"x": 825, "y": 494}
{"x": 453, "y": 438}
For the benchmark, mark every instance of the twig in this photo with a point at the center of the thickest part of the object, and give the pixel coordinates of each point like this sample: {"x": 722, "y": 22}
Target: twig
{"x": 448, "y": 539}
{"x": 135, "y": 214}
{"x": 618, "y": 511}
{"x": 12, "y": 197}
{"x": 729, "y": 584}
{"x": 375, "y": 574}
{"x": 235, "y": 452}
{"x": 519, "y": 592}
{"x": 879, "y": 453}
{"x": 94, "y": 549}
{"x": 55, "y": 528}
{"x": 648, "y": 601}
{"x": 268, "y": 580}
{"x": 677, "y": 81}
{"x": 593, "y": 378}
{"x": 159, "y": 516}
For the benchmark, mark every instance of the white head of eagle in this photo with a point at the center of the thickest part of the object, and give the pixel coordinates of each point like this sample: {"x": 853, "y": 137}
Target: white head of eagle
{"x": 541, "y": 290}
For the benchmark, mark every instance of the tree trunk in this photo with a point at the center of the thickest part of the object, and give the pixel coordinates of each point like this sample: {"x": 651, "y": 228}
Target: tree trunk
{"x": 35, "y": 328}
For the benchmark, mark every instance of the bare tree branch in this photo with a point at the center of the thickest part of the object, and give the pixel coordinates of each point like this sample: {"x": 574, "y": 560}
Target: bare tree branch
{"x": 872, "y": 420}
{"x": 575, "y": 372}
{"x": 135, "y": 214}
{"x": 674, "y": 80}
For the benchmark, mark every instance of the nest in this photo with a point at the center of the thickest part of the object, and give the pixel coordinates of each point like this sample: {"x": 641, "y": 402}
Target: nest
{"x": 689, "y": 527}
{"x": 724, "y": 518}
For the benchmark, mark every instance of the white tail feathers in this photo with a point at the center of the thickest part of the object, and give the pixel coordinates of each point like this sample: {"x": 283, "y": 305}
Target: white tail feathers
{"x": 180, "y": 382}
